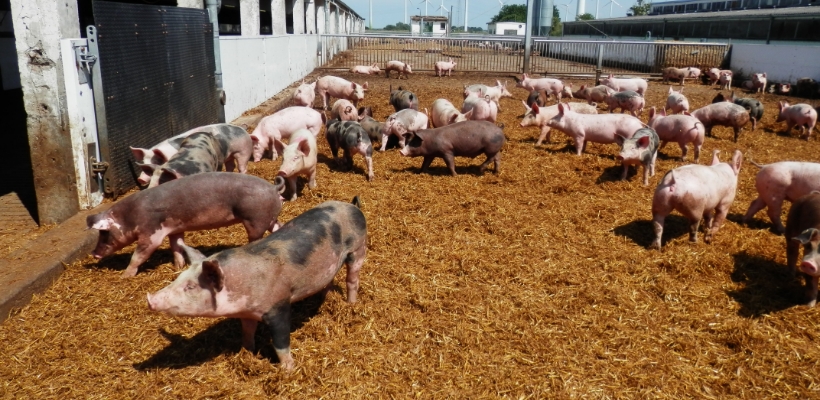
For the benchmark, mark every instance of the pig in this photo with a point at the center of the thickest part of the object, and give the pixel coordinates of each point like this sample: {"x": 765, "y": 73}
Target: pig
{"x": 204, "y": 201}
{"x": 372, "y": 127}
{"x": 353, "y": 139}
{"x": 401, "y": 122}
{"x": 260, "y": 281}
{"x": 537, "y": 97}
{"x": 366, "y": 70}
{"x": 715, "y": 73}
{"x": 803, "y": 227}
{"x": 552, "y": 87}
{"x": 676, "y": 102}
{"x": 198, "y": 153}
{"x": 620, "y": 84}
{"x": 680, "y": 74}
{"x": 682, "y": 129}
{"x": 722, "y": 114}
{"x": 642, "y": 149}
{"x": 801, "y": 115}
{"x": 597, "y": 128}
{"x": 280, "y": 125}
{"x": 626, "y": 101}
{"x": 402, "y": 99}
{"x": 592, "y": 95}
{"x": 333, "y": 86}
{"x": 304, "y": 94}
{"x": 753, "y": 106}
{"x": 398, "y": 66}
{"x": 234, "y": 137}
{"x": 537, "y": 116}
{"x": 784, "y": 88}
{"x": 298, "y": 158}
{"x": 445, "y": 113}
{"x": 725, "y": 82}
{"x": 785, "y": 180}
{"x": 343, "y": 109}
{"x": 747, "y": 84}
{"x": 759, "y": 82}
{"x": 482, "y": 108}
{"x": 462, "y": 139}
{"x": 495, "y": 92}
{"x": 442, "y": 66}
{"x": 698, "y": 192}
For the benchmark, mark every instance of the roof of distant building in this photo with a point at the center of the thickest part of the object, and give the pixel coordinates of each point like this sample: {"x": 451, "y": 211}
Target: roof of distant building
{"x": 429, "y": 18}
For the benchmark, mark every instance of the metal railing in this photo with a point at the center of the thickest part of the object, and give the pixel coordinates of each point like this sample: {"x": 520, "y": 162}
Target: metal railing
{"x": 506, "y": 54}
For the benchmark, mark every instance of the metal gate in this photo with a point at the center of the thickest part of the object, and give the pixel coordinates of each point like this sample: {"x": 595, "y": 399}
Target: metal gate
{"x": 153, "y": 78}
{"x": 506, "y": 55}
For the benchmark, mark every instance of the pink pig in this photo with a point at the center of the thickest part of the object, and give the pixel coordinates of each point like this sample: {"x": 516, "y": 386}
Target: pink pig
{"x": 495, "y": 92}
{"x": 698, "y": 192}
{"x": 551, "y": 86}
{"x": 398, "y": 66}
{"x": 366, "y": 70}
{"x": 401, "y": 122}
{"x": 722, "y": 114}
{"x": 281, "y": 125}
{"x": 298, "y": 158}
{"x": 445, "y": 113}
{"x": 620, "y": 84}
{"x": 539, "y": 116}
{"x": 596, "y": 128}
{"x": 715, "y": 73}
{"x": 676, "y": 101}
{"x": 682, "y": 129}
{"x": 482, "y": 107}
{"x": 304, "y": 94}
{"x": 776, "y": 182}
{"x": 802, "y": 115}
{"x": 759, "y": 82}
{"x": 680, "y": 74}
{"x": 442, "y": 66}
{"x": 343, "y": 110}
{"x": 333, "y": 86}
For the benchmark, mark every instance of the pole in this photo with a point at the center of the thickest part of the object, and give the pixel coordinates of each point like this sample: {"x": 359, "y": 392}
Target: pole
{"x": 213, "y": 10}
{"x": 371, "y": 15}
{"x": 528, "y": 37}
{"x": 466, "y": 20}
{"x": 405, "y": 11}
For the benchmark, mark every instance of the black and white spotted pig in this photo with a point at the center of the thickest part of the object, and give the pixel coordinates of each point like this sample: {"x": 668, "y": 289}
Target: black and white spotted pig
{"x": 202, "y": 201}
{"x": 352, "y": 139}
{"x": 259, "y": 281}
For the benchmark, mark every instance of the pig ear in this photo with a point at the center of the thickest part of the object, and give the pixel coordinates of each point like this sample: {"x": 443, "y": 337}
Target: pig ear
{"x": 560, "y": 108}
{"x": 525, "y": 105}
{"x": 147, "y": 168}
{"x": 619, "y": 139}
{"x": 737, "y": 160}
{"x": 255, "y": 139}
{"x": 670, "y": 89}
{"x": 139, "y": 154}
{"x": 304, "y": 147}
{"x": 469, "y": 114}
{"x": 212, "y": 274}
{"x": 810, "y": 235}
{"x": 764, "y": 74}
{"x": 681, "y": 90}
{"x": 454, "y": 117}
{"x": 159, "y": 155}
{"x": 353, "y": 85}
{"x": 168, "y": 175}
{"x": 365, "y": 86}
{"x": 279, "y": 146}
{"x": 193, "y": 255}
{"x": 651, "y": 112}
{"x": 99, "y": 222}
{"x": 643, "y": 141}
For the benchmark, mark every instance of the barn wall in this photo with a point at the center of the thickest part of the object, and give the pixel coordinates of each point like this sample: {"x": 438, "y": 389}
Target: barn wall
{"x": 781, "y": 62}
{"x": 256, "y": 68}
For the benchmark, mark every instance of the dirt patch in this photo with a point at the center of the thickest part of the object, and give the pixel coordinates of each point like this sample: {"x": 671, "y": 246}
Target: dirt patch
{"x": 535, "y": 282}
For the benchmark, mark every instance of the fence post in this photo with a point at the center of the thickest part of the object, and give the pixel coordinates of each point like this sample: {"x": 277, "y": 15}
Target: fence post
{"x": 600, "y": 62}
{"x": 528, "y": 38}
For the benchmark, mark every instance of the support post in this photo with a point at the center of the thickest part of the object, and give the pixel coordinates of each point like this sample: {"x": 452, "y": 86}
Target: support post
{"x": 599, "y": 67}
{"x": 213, "y": 11}
{"x": 528, "y": 37}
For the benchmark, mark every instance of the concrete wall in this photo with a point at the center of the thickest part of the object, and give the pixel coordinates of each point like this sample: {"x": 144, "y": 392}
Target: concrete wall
{"x": 255, "y": 69}
{"x": 781, "y": 63}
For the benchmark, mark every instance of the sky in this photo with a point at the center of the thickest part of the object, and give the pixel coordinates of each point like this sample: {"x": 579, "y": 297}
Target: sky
{"x": 480, "y": 11}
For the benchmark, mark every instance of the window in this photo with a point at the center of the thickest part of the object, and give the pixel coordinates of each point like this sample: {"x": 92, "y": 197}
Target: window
{"x": 442, "y": 26}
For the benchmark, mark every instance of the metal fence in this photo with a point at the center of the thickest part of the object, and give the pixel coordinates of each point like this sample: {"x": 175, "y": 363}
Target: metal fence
{"x": 506, "y": 54}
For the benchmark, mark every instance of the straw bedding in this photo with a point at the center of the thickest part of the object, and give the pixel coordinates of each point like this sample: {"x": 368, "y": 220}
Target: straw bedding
{"x": 535, "y": 283}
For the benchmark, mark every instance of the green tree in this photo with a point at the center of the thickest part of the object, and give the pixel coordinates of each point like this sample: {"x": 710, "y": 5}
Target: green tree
{"x": 641, "y": 8}
{"x": 585, "y": 17}
{"x": 557, "y": 27}
{"x": 511, "y": 13}
{"x": 390, "y": 27}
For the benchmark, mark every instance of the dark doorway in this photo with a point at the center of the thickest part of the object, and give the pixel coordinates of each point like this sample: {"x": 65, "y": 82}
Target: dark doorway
{"x": 265, "y": 18}
{"x": 230, "y": 22}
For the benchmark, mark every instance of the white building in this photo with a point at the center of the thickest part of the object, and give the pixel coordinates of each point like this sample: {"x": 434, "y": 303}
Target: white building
{"x": 441, "y": 25}
{"x": 508, "y": 28}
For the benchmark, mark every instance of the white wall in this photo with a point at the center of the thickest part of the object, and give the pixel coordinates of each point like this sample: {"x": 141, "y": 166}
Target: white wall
{"x": 781, "y": 63}
{"x": 254, "y": 69}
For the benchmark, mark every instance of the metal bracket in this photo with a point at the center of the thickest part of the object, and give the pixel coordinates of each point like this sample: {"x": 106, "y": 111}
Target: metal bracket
{"x": 86, "y": 62}
{"x": 91, "y": 59}
{"x": 98, "y": 167}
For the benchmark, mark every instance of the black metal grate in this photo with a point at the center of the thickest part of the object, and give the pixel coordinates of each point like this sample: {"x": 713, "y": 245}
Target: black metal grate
{"x": 157, "y": 66}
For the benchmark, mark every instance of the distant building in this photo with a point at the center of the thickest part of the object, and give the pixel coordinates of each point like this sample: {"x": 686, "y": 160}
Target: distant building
{"x": 508, "y": 28}
{"x": 441, "y": 25}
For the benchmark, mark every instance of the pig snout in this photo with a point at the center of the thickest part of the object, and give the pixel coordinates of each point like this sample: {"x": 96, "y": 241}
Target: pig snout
{"x": 809, "y": 267}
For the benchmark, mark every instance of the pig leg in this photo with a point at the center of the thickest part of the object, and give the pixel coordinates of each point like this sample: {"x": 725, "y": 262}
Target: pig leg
{"x": 491, "y": 157}
{"x": 242, "y": 161}
{"x": 792, "y": 251}
{"x": 449, "y": 159}
{"x": 545, "y": 135}
{"x": 580, "y": 144}
{"x": 230, "y": 164}
{"x": 348, "y": 159}
{"x": 683, "y": 151}
{"x": 756, "y": 205}
{"x": 176, "y": 247}
{"x": 811, "y": 290}
{"x": 625, "y": 173}
{"x": 737, "y": 132}
{"x": 354, "y": 262}
{"x": 254, "y": 232}
{"x": 775, "y": 206}
{"x": 145, "y": 247}
{"x": 426, "y": 163}
{"x": 292, "y": 187}
{"x": 720, "y": 216}
{"x": 657, "y": 225}
{"x": 278, "y": 321}
{"x": 652, "y": 164}
{"x": 384, "y": 141}
{"x": 693, "y": 230}
{"x": 312, "y": 178}
{"x": 369, "y": 167}
{"x": 248, "y": 332}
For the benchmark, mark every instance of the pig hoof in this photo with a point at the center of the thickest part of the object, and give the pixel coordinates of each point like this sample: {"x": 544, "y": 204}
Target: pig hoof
{"x": 128, "y": 274}
{"x": 811, "y": 303}
{"x": 655, "y": 246}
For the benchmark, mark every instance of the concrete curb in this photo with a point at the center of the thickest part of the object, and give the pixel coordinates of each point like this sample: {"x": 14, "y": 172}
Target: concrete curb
{"x": 34, "y": 267}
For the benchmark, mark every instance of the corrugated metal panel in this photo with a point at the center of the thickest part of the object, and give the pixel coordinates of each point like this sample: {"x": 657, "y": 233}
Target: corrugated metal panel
{"x": 157, "y": 66}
